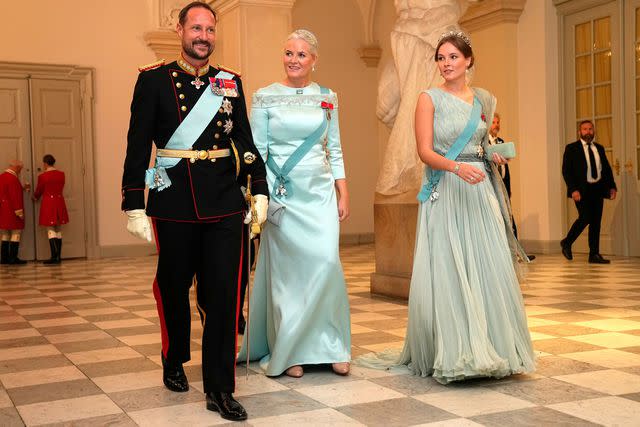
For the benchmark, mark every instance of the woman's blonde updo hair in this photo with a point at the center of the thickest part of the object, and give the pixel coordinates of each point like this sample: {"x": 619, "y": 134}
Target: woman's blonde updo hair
{"x": 307, "y": 36}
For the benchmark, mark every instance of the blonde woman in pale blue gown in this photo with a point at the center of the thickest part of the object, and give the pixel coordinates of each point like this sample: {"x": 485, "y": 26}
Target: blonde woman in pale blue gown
{"x": 299, "y": 309}
{"x": 466, "y": 312}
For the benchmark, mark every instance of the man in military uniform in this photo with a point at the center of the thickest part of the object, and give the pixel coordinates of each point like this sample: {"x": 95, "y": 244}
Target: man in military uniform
{"x": 11, "y": 213}
{"x": 197, "y": 118}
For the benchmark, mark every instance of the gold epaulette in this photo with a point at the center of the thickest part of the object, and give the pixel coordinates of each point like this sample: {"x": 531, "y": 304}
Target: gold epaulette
{"x": 229, "y": 70}
{"x": 151, "y": 66}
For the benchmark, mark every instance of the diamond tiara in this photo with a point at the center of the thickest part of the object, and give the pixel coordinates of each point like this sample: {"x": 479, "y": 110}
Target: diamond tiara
{"x": 458, "y": 34}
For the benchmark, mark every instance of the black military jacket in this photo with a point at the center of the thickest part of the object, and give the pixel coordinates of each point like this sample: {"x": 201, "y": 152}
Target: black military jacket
{"x": 203, "y": 190}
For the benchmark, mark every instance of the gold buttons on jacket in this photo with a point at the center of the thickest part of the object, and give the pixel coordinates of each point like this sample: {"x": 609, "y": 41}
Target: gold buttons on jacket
{"x": 174, "y": 74}
{"x": 181, "y": 96}
{"x": 216, "y": 136}
{"x": 219, "y": 123}
{"x": 178, "y": 85}
{"x": 221, "y": 110}
{"x": 215, "y": 147}
{"x": 183, "y": 108}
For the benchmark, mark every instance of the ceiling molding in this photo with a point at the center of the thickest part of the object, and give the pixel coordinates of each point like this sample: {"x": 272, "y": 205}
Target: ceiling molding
{"x": 488, "y": 13}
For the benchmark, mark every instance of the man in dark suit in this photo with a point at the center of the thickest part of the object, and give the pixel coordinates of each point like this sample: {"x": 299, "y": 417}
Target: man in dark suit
{"x": 504, "y": 169}
{"x": 589, "y": 180}
{"x": 197, "y": 118}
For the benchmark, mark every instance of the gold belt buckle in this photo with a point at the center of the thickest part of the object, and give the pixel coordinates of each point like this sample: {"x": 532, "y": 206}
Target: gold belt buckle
{"x": 203, "y": 155}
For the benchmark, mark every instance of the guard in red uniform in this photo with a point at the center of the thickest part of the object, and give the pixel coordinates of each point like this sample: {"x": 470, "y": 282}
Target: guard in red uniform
{"x": 11, "y": 213}
{"x": 196, "y": 116}
{"x": 53, "y": 210}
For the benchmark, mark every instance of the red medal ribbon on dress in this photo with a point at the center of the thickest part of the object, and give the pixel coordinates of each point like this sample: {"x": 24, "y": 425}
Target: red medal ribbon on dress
{"x": 326, "y": 105}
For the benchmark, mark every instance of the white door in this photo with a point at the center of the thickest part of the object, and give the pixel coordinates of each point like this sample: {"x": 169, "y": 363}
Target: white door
{"x": 630, "y": 172}
{"x": 15, "y": 143}
{"x": 57, "y": 130}
{"x": 593, "y": 91}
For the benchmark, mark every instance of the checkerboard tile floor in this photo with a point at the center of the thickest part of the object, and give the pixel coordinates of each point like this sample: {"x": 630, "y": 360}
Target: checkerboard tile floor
{"x": 79, "y": 345}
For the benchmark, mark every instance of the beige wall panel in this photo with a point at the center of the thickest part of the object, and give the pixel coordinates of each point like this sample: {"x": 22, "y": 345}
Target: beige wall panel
{"x": 228, "y": 42}
{"x": 108, "y": 37}
{"x": 495, "y": 50}
{"x": 517, "y": 62}
{"x": 341, "y": 69}
{"x": 541, "y": 187}
{"x": 265, "y": 42}
{"x": 385, "y": 19}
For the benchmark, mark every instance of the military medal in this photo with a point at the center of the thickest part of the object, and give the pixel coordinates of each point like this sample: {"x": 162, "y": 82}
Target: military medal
{"x": 227, "y": 107}
{"x": 197, "y": 82}
{"x": 228, "y": 126}
{"x": 224, "y": 87}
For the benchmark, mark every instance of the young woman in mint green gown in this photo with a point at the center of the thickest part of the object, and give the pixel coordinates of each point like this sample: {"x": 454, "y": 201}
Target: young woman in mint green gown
{"x": 466, "y": 312}
{"x": 299, "y": 309}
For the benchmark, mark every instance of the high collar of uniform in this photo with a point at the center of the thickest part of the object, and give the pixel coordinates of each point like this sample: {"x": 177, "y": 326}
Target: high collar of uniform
{"x": 192, "y": 69}
{"x": 12, "y": 172}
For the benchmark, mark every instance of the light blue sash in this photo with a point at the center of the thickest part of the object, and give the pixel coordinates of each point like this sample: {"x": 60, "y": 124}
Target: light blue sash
{"x": 429, "y": 190}
{"x": 280, "y": 188}
{"x": 186, "y": 134}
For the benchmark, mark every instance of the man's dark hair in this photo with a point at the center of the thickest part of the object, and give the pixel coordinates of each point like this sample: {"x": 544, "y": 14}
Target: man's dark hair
{"x": 49, "y": 159}
{"x": 182, "y": 18}
{"x": 583, "y": 122}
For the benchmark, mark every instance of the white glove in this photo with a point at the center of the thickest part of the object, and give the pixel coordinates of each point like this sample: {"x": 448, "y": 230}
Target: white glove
{"x": 262, "y": 205}
{"x": 138, "y": 224}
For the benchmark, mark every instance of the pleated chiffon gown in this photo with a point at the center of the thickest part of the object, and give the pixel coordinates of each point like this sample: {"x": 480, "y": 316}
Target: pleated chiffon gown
{"x": 466, "y": 311}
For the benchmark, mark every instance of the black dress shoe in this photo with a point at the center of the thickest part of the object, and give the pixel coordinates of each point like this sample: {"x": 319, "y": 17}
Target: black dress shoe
{"x": 531, "y": 257}
{"x": 173, "y": 377}
{"x": 597, "y": 259}
{"x": 229, "y": 408}
{"x": 566, "y": 249}
{"x": 242, "y": 324}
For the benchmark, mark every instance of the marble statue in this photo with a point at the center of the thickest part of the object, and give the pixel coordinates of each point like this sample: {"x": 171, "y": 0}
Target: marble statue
{"x": 413, "y": 41}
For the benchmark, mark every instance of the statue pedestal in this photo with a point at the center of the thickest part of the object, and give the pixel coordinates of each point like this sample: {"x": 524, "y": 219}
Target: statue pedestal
{"x": 395, "y": 234}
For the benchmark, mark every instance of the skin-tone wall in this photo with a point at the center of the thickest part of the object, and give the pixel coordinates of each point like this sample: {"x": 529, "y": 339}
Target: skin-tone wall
{"x": 522, "y": 72}
{"x": 338, "y": 26}
{"x": 106, "y": 36}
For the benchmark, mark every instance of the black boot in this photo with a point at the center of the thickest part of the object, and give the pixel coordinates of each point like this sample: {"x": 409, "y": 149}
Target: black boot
{"x": 4, "y": 255}
{"x": 13, "y": 254}
{"x": 59, "y": 256}
{"x": 229, "y": 408}
{"x": 53, "y": 245}
{"x": 173, "y": 376}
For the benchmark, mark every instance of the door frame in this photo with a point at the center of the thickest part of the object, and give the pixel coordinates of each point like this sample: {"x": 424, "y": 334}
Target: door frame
{"x": 85, "y": 77}
{"x": 632, "y": 179}
{"x": 565, "y": 9}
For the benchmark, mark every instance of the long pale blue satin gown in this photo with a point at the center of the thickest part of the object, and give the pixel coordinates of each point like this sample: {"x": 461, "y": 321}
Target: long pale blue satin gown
{"x": 299, "y": 308}
{"x": 466, "y": 312}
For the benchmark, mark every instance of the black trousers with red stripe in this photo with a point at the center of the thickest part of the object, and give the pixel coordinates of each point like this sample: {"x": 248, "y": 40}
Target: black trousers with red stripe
{"x": 212, "y": 253}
